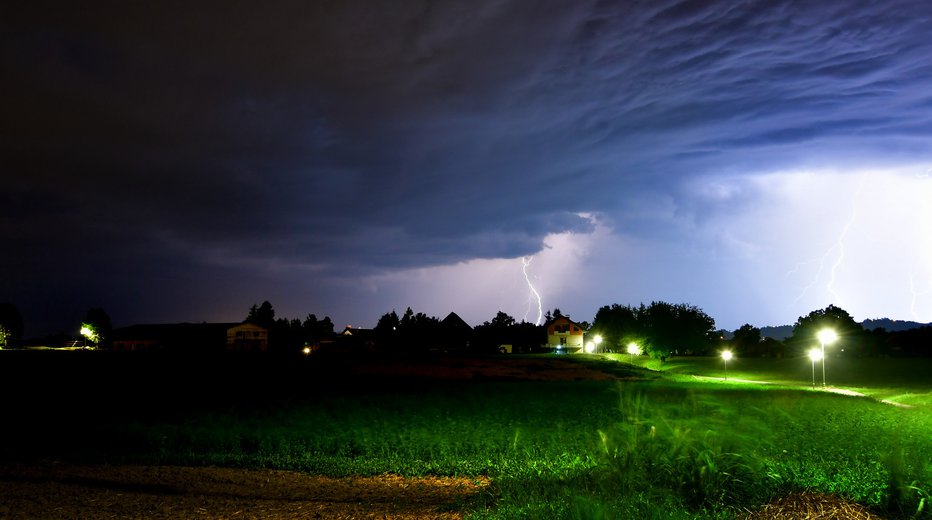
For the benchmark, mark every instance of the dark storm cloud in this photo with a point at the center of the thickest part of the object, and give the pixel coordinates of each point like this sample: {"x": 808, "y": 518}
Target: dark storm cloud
{"x": 350, "y": 137}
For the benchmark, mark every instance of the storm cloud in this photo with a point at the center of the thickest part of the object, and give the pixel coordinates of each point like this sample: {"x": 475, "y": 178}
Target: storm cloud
{"x": 181, "y": 161}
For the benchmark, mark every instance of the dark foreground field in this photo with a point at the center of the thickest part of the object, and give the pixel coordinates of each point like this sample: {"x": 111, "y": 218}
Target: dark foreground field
{"x": 59, "y": 463}
{"x": 92, "y": 434}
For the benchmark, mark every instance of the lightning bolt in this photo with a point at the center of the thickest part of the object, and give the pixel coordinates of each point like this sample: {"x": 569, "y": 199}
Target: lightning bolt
{"x": 525, "y": 262}
{"x": 815, "y": 279}
{"x": 838, "y": 246}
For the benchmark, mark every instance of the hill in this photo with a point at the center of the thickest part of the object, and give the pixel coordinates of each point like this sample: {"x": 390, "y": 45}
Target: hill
{"x": 781, "y": 332}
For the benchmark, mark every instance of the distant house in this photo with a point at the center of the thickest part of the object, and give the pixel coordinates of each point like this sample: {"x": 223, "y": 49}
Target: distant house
{"x": 564, "y": 334}
{"x": 356, "y": 338}
{"x": 454, "y": 333}
{"x": 193, "y": 338}
{"x": 247, "y": 337}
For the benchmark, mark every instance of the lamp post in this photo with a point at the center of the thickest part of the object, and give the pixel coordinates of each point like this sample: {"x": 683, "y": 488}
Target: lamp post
{"x": 89, "y": 331}
{"x": 726, "y": 355}
{"x": 598, "y": 341}
{"x": 633, "y": 350}
{"x": 815, "y": 355}
{"x": 825, "y": 336}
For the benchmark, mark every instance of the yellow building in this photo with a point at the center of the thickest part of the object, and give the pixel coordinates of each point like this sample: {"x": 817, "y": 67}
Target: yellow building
{"x": 564, "y": 334}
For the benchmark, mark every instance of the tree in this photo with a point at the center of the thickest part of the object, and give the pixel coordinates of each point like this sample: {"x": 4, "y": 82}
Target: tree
{"x": 315, "y": 330}
{"x": 505, "y": 330}
{"x": 97, "y": 323}
{"x": 388, "y": 323}
{"x": 262, "y": 315}
{"x": 660, "y": 329}
{"x": 747, "y": 340}
{"x": 286, "y": 336}
{"x": 413, "y": 331}
{"x": 850, "y": 333}
{"x": 11, "y": 324}
{"x": 501, "y": 320}
{"x": 325, "y": 327}
{"x": 618, "y": 326}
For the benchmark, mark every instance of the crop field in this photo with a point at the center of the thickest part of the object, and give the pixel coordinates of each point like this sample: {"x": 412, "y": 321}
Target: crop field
{"x": 602, "y": 440}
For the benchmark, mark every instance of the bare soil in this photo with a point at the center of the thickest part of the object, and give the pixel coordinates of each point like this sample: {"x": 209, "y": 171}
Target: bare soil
{"x": 55, "y": 490}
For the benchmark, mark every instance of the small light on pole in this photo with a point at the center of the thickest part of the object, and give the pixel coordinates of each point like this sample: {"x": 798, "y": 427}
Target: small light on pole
{"x": 633, "y": 350}
{"x": 89, "y": 334}
{"x": 597, "y": 340}
{"x": 815, "y": 355}
{"x": 825, "y": 336}
{"x": 726, "y": 355}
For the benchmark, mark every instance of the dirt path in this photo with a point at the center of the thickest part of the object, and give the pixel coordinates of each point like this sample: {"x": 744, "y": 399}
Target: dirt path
{"x": 54, "y": 490}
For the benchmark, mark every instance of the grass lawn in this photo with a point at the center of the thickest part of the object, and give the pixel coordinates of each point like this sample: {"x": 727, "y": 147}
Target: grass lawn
{"x": 900, "y": 380}
{"x": 646, "y": 447}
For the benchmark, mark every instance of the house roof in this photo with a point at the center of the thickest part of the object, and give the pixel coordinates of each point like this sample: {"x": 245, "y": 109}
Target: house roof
{"x": 453, "y": 321}
{"x": 559, "y": 318}
{"x": 350, "y": 330}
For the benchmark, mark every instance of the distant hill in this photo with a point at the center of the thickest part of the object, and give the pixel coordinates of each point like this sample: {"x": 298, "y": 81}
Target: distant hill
{"x": 779, "y": 333}
{"x": 892, "y": 325}
{"x": 782, "y": 332}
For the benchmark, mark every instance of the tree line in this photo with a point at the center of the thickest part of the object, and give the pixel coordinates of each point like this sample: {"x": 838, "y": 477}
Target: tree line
{"x": 659, "y": 329}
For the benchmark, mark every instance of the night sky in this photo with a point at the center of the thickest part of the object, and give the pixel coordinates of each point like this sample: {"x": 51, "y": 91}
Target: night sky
{"x": 180, "y": 161}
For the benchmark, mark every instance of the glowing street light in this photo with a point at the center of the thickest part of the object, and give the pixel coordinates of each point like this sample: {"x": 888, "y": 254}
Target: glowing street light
{"x": 726, "y": 355}
{"x": 89, "y": 334}
{"x": 633, "y": 350}
{"x": 593, "y": 345}
{"x": 815, "y": 355}
{"x": 825, "y": 336}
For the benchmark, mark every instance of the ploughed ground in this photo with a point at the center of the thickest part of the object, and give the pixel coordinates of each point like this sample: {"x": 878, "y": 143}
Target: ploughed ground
{"x": 54, "y": 489}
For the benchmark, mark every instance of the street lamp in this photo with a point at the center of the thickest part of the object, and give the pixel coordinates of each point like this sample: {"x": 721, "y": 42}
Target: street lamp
{"x": 825, "y": 336}
{"x": 597, "y": 340}
{"x": 90, "y": 333}
{"x": 815, "y": 355}
{"x": 633, "y": 350}
{"x": 726, "y": 355}
{"x": 87, "y": 332}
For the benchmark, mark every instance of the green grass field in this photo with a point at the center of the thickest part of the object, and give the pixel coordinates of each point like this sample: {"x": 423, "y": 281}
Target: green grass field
{"x": 900, "y": 380}
{"x": 652, "y": 447}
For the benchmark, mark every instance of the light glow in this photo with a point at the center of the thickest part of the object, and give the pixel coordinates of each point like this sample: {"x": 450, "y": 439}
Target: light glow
{"x": 726, "y": 355}
{"x": 634, "y": 349}
{"x": 89, "y": 332}
{"x": 827, "y": 336}
{"x": 815, "y": 354}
